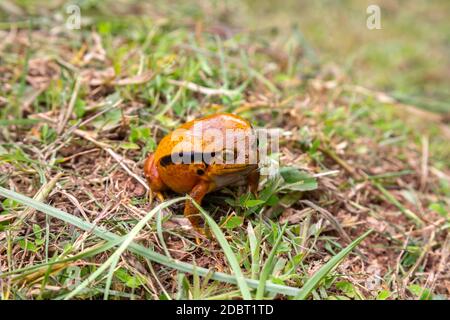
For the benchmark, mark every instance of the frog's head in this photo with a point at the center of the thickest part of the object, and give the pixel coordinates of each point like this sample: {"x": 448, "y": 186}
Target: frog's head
{"x": 222, "y": 157}
{"x": 222, "y": 168}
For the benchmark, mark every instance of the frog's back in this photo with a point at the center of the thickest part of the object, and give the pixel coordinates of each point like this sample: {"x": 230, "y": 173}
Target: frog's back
{"x": 210, "y": 130}
{"x": 221, "y": 121}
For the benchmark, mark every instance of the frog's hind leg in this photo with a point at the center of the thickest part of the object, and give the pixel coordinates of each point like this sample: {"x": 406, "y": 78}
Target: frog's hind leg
{"x": 190, "y": 210}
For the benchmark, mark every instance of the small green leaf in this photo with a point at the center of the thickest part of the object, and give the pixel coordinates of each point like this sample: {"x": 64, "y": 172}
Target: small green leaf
{"x": 27, "y": 245}
{"x": 346, "y": 287}
{"x": 139, "y": 134}
{"x": 273, "y": 200}
{"x": 129, "y": 146}
{"x": 150, "y": 144}
{"x": 37, "y": 230}
{"x": 104, "y": 27}
{"x": 163, "y": 296}
{"x": 109, "y": 120}
{"x": 234, "y": 222}
{"x": 253, "y": 203}
{"x": 9, "y": 204}
{"x": 314, "y": 147}
{"x": 134, "y": 282}
{"x": 79, "y": 108}
{"x": 297, "y": 180}
{"x": 439, "y": 208}
{"x": 47, "y": 134}
{"x": 166, "y": 121}
{"x": 290, "y": 198}
{"x": 419, "y": 292}
{"x": 383, "y": 295}
{"x": 122, "y": 275}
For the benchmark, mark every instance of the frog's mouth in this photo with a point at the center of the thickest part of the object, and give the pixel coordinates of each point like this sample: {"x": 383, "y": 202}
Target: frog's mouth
{"x": 233, "y": 175}
{"x": 238, "y": 169}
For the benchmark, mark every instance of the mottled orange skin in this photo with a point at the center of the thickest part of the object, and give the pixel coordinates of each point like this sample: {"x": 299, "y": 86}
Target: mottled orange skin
{"x": 200, "y": 178}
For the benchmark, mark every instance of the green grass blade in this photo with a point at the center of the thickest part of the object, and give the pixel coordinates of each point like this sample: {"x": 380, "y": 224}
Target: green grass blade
{"x": 159, "y": 232}
{"x": 408, "y": 213}
{"x": 231, "y": 257}
{"x": 139, "y": 249}
{"x": 112, "y": 268}
{"x": 267, "y": 268}
{"x": 114, "y": 258}
{"x": 91, "y": 252}
{"x": 254, "y": 250}
{"x": 326, "y": 269}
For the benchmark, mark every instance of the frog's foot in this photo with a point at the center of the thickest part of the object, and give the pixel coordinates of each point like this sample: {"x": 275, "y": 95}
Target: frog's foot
{"x": 159, "y": 196}
{"x": 153, "y": 194}
{"x": 204, "y": 231}
{"x": 205, "y": 235}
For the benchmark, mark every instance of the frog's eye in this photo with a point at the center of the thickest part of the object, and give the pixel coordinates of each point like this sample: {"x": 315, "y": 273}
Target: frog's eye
{"x": 229, "y": 155}
{"x": 211, "y": 155}
{"x": 166, "y": 160}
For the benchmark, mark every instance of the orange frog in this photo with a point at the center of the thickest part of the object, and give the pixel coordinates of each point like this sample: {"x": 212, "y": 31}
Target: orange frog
{"x": 204, "y": 155}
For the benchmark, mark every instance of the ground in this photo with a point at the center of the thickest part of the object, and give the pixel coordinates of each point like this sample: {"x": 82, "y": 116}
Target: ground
{"x": 81, "y": 109}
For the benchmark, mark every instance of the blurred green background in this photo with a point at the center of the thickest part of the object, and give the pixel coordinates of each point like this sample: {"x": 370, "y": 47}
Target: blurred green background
{"x": 409, "y": 58}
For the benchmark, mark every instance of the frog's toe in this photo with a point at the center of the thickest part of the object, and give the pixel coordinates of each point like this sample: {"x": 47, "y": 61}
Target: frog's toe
{"x": 155, "y": 194}
{"x": 159, "y": 196}
{"x": 205, "y": 235}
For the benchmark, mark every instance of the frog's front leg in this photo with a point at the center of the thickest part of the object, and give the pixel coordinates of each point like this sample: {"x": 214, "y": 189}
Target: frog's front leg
{"x": 190, "y": 211}
{"x": 253, "y": 182}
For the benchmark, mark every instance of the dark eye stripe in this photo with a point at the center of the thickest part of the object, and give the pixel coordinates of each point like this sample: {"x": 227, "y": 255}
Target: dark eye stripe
{"x": 189, "y": 156}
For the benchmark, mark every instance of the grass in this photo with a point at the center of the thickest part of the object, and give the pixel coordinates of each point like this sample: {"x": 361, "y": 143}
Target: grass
{"x": 81, "y": 109}
{"x": 411, "y": 43}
